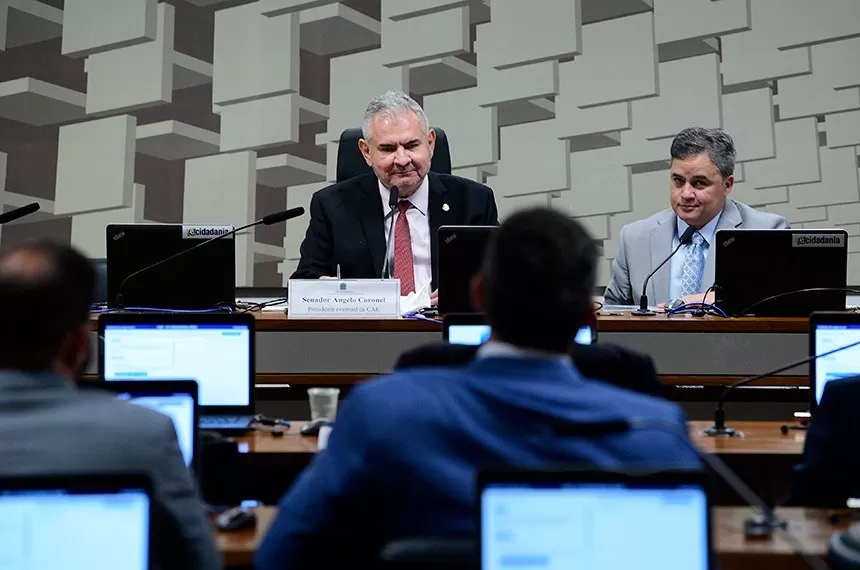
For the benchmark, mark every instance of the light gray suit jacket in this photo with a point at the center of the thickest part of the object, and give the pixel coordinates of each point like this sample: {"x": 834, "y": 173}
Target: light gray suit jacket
{"x": 644, "y": 244}
{"x": 50, "y": 427}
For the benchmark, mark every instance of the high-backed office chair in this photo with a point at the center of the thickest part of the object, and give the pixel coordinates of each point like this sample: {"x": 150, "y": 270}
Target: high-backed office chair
{"x": 351, "y": 163}
{"x": 429, "y": 554}
{"x": 100, "y": 265}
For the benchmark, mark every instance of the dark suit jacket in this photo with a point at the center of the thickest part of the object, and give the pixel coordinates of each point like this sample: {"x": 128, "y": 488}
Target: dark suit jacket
{"x": 609, "y": 363}
{"x": 830, "y": 472}
{"x": 347, "y": 220}
{"x": 48, "y": 426}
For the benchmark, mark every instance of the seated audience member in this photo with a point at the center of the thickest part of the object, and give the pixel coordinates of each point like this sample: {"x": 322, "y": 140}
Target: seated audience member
{"x": 402, "y": 459}
{"x": 700, "y": 180}
{"x": 48, "y": 426}
{"x": 830, "y": 471}
{"x": 609, "y": 363}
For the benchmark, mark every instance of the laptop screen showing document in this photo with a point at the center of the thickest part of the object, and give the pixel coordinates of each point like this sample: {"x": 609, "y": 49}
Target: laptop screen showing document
{"x": 829, "y": 331}
{"x": 596, "y": 521}
{"x": 216, "y": 351}
{"x": 48, "y": 524}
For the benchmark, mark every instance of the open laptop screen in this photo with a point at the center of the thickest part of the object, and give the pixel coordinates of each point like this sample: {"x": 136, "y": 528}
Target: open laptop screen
{"x": 46, "y": 529}
{"x": 217, "y": 356}
{"x": 479, "y": 334}
{"x": 843, "y": 364}
{"x": 178, "y": 407}
{"x": 594, "y": 525}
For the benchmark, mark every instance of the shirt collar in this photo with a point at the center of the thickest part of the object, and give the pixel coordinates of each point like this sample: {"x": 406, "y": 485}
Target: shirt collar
{"x": 707, "y": 232}
{"x": 420, "y": 199}
{"x": 498, "y": 349}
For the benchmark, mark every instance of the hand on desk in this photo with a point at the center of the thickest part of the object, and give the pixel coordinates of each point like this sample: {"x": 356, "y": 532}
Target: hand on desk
{"x": 434, "y": 298}
{"x": 694, "y": 298}
{"x": 328, "y": 278}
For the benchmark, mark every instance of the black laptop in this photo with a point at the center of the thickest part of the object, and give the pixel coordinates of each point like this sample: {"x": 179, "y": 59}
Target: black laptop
{"x": 593, "y": 519}
{"x": 82, "y": 521}
{"x": 176, "y": 399}
{"x": 780, "y": 273}
{"x": 459, "y": 258}
{"x": 202, "y": 279}
{"x": 215, "y": 349}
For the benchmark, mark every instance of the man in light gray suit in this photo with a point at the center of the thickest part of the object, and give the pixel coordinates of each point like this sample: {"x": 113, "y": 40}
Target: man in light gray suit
{"x": 701, "y": 178}
{"x": 50, "y": 427}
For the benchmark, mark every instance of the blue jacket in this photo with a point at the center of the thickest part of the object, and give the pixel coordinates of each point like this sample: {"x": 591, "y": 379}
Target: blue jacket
{"x": 403, "y": 457}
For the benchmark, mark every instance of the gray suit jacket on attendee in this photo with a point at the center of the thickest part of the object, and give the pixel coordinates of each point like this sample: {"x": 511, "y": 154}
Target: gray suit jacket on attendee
{"x": 644, "y": 244}
{"x": 50, "y": 427}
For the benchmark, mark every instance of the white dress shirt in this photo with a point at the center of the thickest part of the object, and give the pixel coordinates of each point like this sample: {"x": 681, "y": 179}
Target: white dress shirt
{"x": 677, "y": 262}
{"x": 419, "y": 231}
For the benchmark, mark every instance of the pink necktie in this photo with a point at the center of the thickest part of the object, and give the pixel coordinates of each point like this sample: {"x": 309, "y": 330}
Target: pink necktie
{"x": 403, "y": 268}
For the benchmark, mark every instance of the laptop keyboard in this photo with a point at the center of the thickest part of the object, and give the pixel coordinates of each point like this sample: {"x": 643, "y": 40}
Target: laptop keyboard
{"x": 223, "y": 420}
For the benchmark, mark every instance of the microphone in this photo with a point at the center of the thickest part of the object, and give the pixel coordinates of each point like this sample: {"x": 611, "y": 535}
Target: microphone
{"x": 13, "y": 215}
{"x": 393, "y": 197}
{"x": 643, "y": 300}
{"x": 265, "y": 220}
{"x": 720, "y": 428}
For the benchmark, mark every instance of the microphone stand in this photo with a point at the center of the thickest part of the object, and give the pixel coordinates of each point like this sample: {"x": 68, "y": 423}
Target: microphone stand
{"x": 643, "y": 310}
{"x": 393, "y": 197}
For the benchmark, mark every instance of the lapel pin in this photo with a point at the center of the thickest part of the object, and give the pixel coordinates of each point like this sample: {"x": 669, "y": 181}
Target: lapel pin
{"x": 445, "y": 207}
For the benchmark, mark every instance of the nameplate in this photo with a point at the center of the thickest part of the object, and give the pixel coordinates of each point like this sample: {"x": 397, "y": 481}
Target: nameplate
{"x": 344, "y": 299}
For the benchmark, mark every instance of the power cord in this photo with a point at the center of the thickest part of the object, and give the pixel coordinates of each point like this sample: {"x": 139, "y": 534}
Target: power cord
{"x": 795, "y": 292}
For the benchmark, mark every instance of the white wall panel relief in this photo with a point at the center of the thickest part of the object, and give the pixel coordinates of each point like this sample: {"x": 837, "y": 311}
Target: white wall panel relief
{"x": 618, "y": 62}
{"x": 280, "y": 7}
{"x": 839, "y": 184}
{"x": 260, "y": 123}
{"x": 298, "y": 195}
{"x": 25, "y": 22}
{"x": 472, "y": 130}
{"x": 599, "y": 184}
{"x": 335, "y": 29}
{"x": 748, "y": 117}
{"x": 797, "y": 157}
{"x": 94, "y": 26}
{"x": 133, "y": 77}
{"x": 833, "y": 85}
{"x": 88, "y": 229}
{"x": 533, "y": 162}
{"x": 843, "y": 129}
{"x": 677, "y": 20}
{"x": 95, "y": 165}
{"x": 254, "y": 56}
{"x": 35, "y": 102}
{"x": 528, "y": 32}
{"x": 420, "y": 38}
{"x": 222, "y": 189}
{"x": 650, "y": 194}
{"x": 514, "y": 204}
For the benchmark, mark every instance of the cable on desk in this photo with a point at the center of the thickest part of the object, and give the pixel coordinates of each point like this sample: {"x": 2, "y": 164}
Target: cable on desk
{"x": 249, "y": 308}
{"x": 797, "y": 291}
{"x": 698, "y": 308}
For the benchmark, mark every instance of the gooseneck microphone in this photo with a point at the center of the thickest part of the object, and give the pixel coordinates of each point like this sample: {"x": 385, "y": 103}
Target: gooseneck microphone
{"x": 265, "y": 220}
{"x": 13, "y": 215}
{"x": 393, "y": 197}
{"x": 643, "y": 300}
{"x": 720, "y": 428}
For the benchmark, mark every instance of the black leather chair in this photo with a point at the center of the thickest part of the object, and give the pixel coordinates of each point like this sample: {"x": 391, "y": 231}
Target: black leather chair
{"x": 100, "y": 265}
{"x": 350, "y": 162}
{"x": 430, "y": 554}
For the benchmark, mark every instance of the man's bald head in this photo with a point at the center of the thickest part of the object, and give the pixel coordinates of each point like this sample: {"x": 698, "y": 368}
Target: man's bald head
{"x": 46, "y": 291}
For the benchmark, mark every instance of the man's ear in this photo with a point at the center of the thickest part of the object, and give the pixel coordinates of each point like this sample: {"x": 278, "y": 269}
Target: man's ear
{"x": 730, "y": 183}
{"x": 431, "y": 141}
{"x": 365, "y": 151}
{"x": 75, "y": 349}
{"x": 476, "y": 293}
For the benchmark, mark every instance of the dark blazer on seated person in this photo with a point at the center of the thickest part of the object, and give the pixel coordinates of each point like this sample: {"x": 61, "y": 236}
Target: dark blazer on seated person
{"x": 830, "y": 471}
{"x": 403, "y": 456}
{"x": 347, "y": 224}
{"x": 609, "y": 363}
{"x": 50, "y": 427}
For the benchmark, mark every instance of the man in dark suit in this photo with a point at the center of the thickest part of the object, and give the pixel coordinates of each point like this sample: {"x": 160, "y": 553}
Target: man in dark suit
{"x": 610, "y": 363}
{"x": 349, "y": 225}
{"x": 830, "y": 471}
{"x": 48, "y": 426}
{"x": 403, "y": 456}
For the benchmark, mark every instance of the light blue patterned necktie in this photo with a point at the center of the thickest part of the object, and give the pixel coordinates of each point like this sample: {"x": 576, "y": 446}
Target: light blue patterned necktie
{"x": 694, "y": 266}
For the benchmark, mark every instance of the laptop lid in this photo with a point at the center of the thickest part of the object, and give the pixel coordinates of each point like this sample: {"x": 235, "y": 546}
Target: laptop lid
{"x": 176, "y": 399}
{"x": 592, "y": 519}
{"x": 216, "y": 350}
{"x": 751, "y": 266}
{"x": 459, "y": 257}
{"x": 202, "y": 279}
{"x": 471, "y": 328}
{"x": 97, "y": 522}
{"x": 829, "y": 331}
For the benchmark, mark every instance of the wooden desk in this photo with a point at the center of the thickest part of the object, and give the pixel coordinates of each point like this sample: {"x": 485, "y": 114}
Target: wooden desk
{"x": 706, "y": 351}
{"x": 734, "y": 551}
{"x": 760, "y": 438}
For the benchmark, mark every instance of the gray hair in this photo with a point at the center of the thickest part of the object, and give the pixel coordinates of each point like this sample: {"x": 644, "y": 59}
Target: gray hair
{"x": 716, "y": 142}
{"x": 392, "y": 104}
